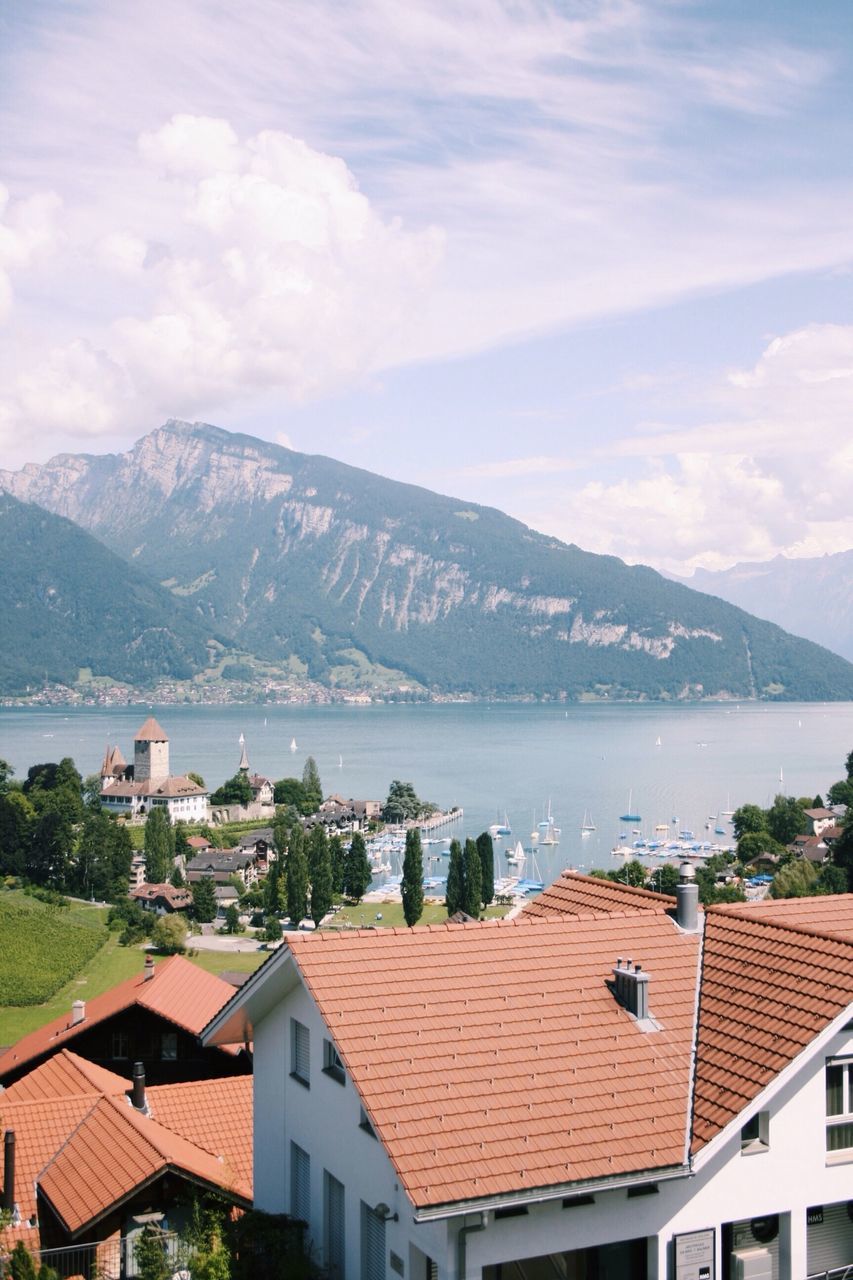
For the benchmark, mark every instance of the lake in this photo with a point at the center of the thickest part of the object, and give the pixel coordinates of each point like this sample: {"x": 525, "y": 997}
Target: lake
{"x": 491, "y": 758}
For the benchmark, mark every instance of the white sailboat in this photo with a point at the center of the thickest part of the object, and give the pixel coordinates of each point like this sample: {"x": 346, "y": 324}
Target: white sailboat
{"x": 515, "y": 857}
{"x": 292, "y": 744}
{"x": 587, "y": 826}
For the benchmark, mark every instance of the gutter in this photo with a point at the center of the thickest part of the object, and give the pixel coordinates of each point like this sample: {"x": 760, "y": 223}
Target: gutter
{"x": 543, "y": 1195}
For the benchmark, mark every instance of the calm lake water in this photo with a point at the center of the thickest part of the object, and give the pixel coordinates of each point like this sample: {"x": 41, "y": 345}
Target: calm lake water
{"x": 491, "y": 759}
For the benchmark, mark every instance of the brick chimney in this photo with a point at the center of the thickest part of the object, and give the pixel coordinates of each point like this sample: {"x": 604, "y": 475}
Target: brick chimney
{"x": 148, "y": 971}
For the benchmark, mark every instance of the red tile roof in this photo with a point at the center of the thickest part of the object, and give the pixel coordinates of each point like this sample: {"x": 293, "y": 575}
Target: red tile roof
{"x": 769, "y": 986}
{"x": 179, "y": 991}
{"x": 574, "y": 894}
{"x": 150, "y": 732}
{"x": 87, "y": 1149}
{"x": 493, "y": 1058}
{"x": 828, "y": 914}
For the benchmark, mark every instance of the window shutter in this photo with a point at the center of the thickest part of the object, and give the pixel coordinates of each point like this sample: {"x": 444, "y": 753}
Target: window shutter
{"x": 333, "y": 1194}
{"x": 300, "y": 1183}
{"x": 372, "y": 1245}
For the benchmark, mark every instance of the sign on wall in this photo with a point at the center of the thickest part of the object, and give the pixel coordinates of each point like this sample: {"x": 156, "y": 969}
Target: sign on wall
{"x": 694, "y": 1255}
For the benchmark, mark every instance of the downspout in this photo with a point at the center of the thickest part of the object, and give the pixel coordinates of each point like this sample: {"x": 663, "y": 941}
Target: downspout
{"x": 462, "y": 1242}
{"x": 694, "y": 1052}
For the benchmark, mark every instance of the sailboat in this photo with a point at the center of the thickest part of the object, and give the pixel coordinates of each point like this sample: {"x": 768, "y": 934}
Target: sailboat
{"x": 292, "y": 744}
{"x": 515, "y": 857}
{"x": 630, "y": 816}
{"x": 587, "y": 826}
{"x": 548, "y": 826}
{"x": 340, "y": 762}
{"x": 657, "y": 741}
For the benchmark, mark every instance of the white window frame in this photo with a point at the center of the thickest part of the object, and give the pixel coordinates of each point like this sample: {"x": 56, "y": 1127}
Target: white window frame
{"x": 842, "y": 1118}
{"x": 332, "y": 1064}
{"x": 755, "y": 1134}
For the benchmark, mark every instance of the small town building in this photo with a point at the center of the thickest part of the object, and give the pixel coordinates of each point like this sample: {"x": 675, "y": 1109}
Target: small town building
{"x": 221, "y": 864}
{"x": 164, "y": 899}
{"x": 154, "y": 1017}
{"x": 134, "y": 790}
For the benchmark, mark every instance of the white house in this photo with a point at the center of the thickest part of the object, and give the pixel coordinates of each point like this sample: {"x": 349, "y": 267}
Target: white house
{"x": 601, "y": 1089}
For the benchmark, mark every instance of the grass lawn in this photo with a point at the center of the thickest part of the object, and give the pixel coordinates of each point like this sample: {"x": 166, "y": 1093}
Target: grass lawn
{"x": 240, "y": 961}
{"x": 368, "y": 913}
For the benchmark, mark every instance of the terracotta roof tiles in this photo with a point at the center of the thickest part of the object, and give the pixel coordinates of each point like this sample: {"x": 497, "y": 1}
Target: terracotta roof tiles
{"x": 492, "y": 1058}
{"x": 574, "y": 894}
{"x": 150, "y": 732}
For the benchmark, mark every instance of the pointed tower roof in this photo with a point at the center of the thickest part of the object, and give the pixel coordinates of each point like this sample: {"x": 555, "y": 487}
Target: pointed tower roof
{"x": 243, "y": 767}
{"x": 151, "y": 732}
{"x": 114, "y": 762}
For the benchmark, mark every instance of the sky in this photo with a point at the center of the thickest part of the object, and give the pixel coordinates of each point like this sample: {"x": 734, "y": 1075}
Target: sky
{"x": 587, "y": 261}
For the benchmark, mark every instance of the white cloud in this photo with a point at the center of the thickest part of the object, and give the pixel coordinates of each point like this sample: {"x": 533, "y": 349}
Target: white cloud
{"x": 29, "y": 229}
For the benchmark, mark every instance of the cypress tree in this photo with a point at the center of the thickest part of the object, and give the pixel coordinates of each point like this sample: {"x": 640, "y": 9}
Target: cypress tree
{"x": 204, "y": 900}
{"x": 357, "y": 873}
{"x": 159, "y": 847}
{"x": 412, "y": 887}
{"x": 320, "y": 873}
{"x": 337, "y": 858}
{"x": 455, "y": 891}
{"x": 487, "y": 867}
{"x": 297, "y": 878}
{"x": 312, "y": 785}
{"x": 472, "y": 893}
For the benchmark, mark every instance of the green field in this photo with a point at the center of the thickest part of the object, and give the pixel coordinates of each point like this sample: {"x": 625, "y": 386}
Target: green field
{"x": 43, "y": 948}
{"x": 389, "y": 915}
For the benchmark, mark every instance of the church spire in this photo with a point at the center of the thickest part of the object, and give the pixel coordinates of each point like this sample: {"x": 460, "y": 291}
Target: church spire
{"x": 244, "y": 758}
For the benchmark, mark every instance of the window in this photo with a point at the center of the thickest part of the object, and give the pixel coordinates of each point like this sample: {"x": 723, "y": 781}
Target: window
{"x": 333, "y": 1225}
{"x": 300, "y": 1184}
{"x": 364, "y": 1123}
{"x": 169, "y": 1046}
{"x": 332, "y": 1064}
{"x": 755, "y": 1134}
{"x": 299, "y": 1053}
{"x": 121, "y": 1044}
{"x": 839, "y": 1106}
{"x": 372, "y": 1244}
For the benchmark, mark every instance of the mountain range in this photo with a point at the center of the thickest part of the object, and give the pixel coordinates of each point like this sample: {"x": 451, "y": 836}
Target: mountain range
{"x": 355, "y": 580}
{"x": 812, "y": 597}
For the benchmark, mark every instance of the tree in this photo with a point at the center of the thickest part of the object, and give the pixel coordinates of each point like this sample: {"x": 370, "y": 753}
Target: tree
{"x": 311, "y": 785}
{"x": 455, "y": 892}
{"x": 403, "y": 804}
{"x": 17, "y": 821}
{"x": 234, "y": 790}
{"x": 169, "y": 934}
{"x": 232, "y": 919}
{"x": 272, "y": 929}
{"x": 6, "y": 775}
{"x": 337, "y": 857}
{"x": 21, "y": 1264}
{"x": 412, "y": 886}
{"x": 357, "y": 873}
{"x": 50, "y": 849}
{"x": 664, "y": 879}
{"x": 796, "y": 880}
{"x": 841, "y": 793}
{"x": 176, "y": 879}
{"x": 297, "y": 878}
{"x": 785, "y": 819}
{"x": 290, "y": 793}
{"x": 633, "y": 872}
{"x": 472, "y": 890}
{"x": 842, "y": 853}
{"x": 274, "y": 888}
{"x": 831, "y": 879}
{"x": 204, "y": 900}
{"x": 151, "y": 1257}
{"x": 159, "y": 846}
{"x": 181, "y": 843}
{"x": 749, "y": 817}
{"x": 487, "y": 867}
{"x": 320, "y": 873}
{"x": 754, "y": 843}
{"x": 197, "y": 779}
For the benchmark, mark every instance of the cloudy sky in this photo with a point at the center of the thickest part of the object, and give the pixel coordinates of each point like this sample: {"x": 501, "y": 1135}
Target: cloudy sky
{"x": 588, "y": 261}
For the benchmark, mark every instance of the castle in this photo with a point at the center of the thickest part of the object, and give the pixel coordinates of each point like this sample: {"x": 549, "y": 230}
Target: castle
{"x": 134, "y": 790}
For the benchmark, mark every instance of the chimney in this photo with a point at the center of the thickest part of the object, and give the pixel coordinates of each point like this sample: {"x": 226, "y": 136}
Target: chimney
{"x": 631, "y": 988}
{"x": 687, "y": 899}
{"x": 9, "y": 1171}
{"x": 137, "y": 1093}
{"x": 148, "y": 971}
{"x": 78, "y": 1012}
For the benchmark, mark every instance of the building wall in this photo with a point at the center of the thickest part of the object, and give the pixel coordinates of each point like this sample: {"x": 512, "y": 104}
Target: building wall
{"x": 150, "y": 759}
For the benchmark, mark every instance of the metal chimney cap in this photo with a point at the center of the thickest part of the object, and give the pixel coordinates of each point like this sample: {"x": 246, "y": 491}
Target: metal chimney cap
{"x": 686, "y": 872}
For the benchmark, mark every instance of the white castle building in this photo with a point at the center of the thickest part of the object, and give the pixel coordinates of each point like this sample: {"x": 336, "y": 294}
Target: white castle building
{"x": 134, "y": 790}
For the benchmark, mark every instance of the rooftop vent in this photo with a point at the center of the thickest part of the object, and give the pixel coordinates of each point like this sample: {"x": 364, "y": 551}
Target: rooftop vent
{"x": 148, "y": 971}
{"x": 631, "y": 988}
{"x": 687, "y": 899}
{"x": 78, "y": 1012}
{"x": 8, "y": 1202}
{"x": 137, "y": 1093}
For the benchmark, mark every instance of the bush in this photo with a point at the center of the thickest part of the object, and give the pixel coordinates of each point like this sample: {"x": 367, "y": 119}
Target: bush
{"x": 169, "y": 935}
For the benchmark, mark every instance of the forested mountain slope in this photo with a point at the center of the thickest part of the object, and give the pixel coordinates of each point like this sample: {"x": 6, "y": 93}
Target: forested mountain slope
{"x": 294, "y": 554}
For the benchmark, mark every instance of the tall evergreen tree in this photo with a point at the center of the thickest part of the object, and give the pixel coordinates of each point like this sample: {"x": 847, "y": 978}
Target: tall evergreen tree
{"x": 312, "y": 785}
{"x": 320, "y": 872}
{"x": 455, "y": 892}
{"x": 412, "y": 887}
{"x": 204, "y": 900}
{"x": 487, "y": 867}
{"x": 337, "y": 857}
{"x": 50, "y": 849}
{"x": 297, "y": 878}
{"x": 159, "y": 846}
{"x": 275, "y": 900}
{"x": 472, "y": 893}
{"x": 357, "y": 873}
{"x": 17, "y": 820}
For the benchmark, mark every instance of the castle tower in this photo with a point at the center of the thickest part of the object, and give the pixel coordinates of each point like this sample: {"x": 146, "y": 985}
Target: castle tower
{"x": 150, "y": 753}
